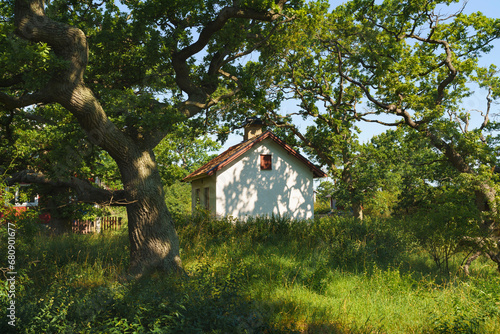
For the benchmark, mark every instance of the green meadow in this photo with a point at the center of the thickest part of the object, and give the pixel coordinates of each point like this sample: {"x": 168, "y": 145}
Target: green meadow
{"x": 330, "y": 275}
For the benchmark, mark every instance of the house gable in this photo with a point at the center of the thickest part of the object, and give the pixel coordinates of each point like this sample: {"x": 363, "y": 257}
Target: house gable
{"x": 236, "y": 151}
{"x": 243, "y": 188}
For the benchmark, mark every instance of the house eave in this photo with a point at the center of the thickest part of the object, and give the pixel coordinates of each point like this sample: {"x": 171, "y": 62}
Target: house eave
{"x": 246, "y": 146}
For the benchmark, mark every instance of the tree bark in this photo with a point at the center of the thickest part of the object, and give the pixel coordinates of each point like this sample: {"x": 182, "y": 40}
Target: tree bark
{"x": 356, "y": 206}
{"x": 357, "y": 210}
{"x": 154, "y": 243}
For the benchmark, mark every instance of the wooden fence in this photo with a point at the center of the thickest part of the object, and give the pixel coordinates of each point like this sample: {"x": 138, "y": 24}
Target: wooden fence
{"x": 98, "y": 225}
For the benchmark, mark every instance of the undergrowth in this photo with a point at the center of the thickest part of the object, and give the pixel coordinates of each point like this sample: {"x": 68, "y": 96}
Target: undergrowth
{"x": 265, "y": 275}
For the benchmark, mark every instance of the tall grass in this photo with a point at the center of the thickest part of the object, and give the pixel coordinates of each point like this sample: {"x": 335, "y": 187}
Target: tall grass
{"x": 267, "y": 275}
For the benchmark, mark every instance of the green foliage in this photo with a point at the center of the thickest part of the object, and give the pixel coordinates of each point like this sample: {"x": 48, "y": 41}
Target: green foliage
{"x": 145, "y": 68}
{"x": 264, "y": 272}
{"x": 178, "y": 198}
{"x": 381, "y": 204}
{"x": 445, "y": 220}
{"x": 182, "y": 152}
{"x": 470, "y": 319}
{"x": 414, "y": 183}
{"x": 351, "y": 243}
{"x": 24, "y": 223}
{"x": 321, "y": 207}
{"x": 204, "y": 303}
{"x": 325, "y": 189}
{"x": 356, "y": 244}
{"x": 78, "y": 299}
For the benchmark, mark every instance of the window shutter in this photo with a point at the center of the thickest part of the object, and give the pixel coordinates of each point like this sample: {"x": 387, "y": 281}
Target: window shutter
{"x": 266, "y": 162}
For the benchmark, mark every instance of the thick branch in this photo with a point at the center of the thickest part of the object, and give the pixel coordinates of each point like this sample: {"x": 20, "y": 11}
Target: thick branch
{"x": 486, "y": 116}
{"x": 198, "y": 96}
{"x": 229, "y": 94}
{"x": 67, "y": 86}
{"x": 13, "y": 102}
{"x": 448, "y": 150}
{"x": 379, "y": 122}
{"x": 17, "y": 79}
{"x": 69, "y": 43}
{"x": 452, "y": 71}
{"x": 85, "y": 191}
{"x": 211, "y": 28}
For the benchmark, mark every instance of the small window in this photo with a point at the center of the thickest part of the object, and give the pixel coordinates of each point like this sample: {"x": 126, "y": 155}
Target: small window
{"x": 206, "y": 198}
{"x": 266, "y": 162}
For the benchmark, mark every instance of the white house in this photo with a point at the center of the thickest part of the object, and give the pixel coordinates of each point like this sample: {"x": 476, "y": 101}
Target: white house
{"x": 260, "y": 176}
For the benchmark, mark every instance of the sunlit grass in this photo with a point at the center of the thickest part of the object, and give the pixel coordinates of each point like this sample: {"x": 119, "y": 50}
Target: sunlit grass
{"x": 85, "y": 260}
{"x": 297, "y": 283}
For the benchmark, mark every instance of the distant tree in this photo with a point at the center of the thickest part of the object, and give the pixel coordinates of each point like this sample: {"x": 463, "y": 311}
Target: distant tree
{"x": 404, "y": 59}
{"x": 396, "y": 166}
{"x": 183, "y": 151}
{"x": 416, "y": 66}
{"x": 324, "y": 190}
{"x": 178, "y": 154}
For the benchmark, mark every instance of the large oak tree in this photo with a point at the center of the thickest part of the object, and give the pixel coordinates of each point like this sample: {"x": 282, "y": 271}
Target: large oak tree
{"x": 418, "y": 65}
{"x": 127, "y": 75}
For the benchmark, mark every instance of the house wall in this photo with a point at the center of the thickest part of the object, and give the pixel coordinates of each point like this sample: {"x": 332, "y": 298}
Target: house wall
{"x": 201, "y": 184}
{"x": 243, "y": 189}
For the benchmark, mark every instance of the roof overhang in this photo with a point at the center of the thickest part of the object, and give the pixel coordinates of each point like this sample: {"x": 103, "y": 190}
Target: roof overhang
{"x": 234, "y": 152}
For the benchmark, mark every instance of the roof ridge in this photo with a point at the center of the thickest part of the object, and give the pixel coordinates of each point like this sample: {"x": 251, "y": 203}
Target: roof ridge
{"x": 227, "y": 156}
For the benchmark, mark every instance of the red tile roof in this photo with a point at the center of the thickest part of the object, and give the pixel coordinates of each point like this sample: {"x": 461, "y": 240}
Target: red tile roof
{"x": 235, "y": 151}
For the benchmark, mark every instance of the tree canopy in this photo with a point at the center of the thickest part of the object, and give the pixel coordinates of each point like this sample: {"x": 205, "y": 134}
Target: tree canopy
{"x": 127, "y": 75}
{"x": 414, "y": 61}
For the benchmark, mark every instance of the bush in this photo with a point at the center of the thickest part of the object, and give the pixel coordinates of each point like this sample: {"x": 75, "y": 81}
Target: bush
{"x": 353, "y": 242}
{"x": 442, "y": 231}
{"x": 178, "y": 198}
{"x": 321, "y": 207}
{"x": 17, "y": 233}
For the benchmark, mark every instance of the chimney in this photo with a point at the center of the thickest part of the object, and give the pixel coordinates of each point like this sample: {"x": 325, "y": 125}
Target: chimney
{"x": 253, "y": 127}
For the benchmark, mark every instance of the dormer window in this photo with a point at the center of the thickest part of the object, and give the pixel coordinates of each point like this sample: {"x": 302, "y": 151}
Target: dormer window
{"x": 266, "y": 162}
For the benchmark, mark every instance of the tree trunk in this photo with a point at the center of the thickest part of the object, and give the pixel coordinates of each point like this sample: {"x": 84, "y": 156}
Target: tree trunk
{"x": 357, "y": 210}
{"x": 154, "y": 244}
{"x": 486, "y": 204}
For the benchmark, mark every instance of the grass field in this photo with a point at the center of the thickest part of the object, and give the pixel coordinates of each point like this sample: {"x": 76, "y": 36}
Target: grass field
{"x": 333, "y": 275}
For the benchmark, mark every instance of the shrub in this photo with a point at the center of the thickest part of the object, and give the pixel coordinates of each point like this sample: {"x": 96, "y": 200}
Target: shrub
{"x": 354, "y": 243}
{"x": 442, "y": 233}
